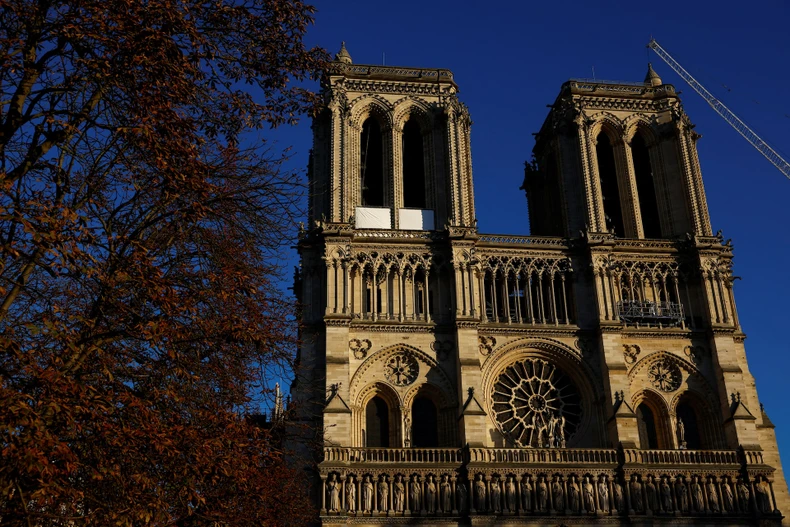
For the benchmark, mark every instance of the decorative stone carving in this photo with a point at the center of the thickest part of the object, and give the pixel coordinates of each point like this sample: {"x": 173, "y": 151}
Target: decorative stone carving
{"x": 460, "y": 496}
{"x": 415, "y": 494}
{"x": 630, "y": 352}
{"x": 695, "y": 353}
{"x": 665, "y": 375}
{"x": 334, "y": 493}
{"x": 535, "y": 404}
{"x": 603, "y": 495}
{"x": 445, "y": 496}
{"x": 585, "y": 345}
{"x": 398, "y": 491}
{"x": 486, "y": 345}
{"x": 666, "y": 495}
{"x": 351, "y": 495}
{"x": 401, "y": 369}
{"x": 359, "y": 347}
{"x": 384, "y": 493}
{"x": 442, "y": 349}
{"x": 480, "y": 493}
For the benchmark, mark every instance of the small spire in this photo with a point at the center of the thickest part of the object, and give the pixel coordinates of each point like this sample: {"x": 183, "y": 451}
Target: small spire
{"x": 652, "y": 78}
{"x": 343, "y": 55}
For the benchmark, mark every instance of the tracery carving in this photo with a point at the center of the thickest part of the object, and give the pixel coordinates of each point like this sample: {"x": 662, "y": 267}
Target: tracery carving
{"x": 695, "y": 353}
{"x": 401, "y": 369}
{"x": 664, "y": 375}
{"x": 630, "y": 352}
{"x": 486, "y": 345}
{"x": 536, "y": 404}
{"x": 359, "y": 347}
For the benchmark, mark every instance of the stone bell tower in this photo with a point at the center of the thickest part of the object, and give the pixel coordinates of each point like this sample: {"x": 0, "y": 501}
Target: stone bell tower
{"x": 594, "y": 370}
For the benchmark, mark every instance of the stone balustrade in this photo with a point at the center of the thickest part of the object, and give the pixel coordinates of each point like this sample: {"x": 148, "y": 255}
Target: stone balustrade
{"x": 473, "y": 481}
{"x": 682, "y": 457}
{"x": 543, "y": 455}
{"x": 392, "y": 455}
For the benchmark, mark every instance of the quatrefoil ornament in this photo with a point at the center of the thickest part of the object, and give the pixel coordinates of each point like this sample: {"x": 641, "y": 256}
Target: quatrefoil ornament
{"x": 359, "y": 347}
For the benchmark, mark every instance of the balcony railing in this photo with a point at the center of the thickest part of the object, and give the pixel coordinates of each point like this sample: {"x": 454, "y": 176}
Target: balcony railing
{"x": 543, "y": 455}
{"x": 650, "y": 313}
{"x": 392, "y": 455}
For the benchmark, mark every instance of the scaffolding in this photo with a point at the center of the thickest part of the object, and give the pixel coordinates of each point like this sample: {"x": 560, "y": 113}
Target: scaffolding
{"x": 646, "y": 312}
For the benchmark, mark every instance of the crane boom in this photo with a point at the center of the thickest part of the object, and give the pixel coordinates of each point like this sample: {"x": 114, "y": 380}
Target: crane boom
{"x": 726, "y": 113}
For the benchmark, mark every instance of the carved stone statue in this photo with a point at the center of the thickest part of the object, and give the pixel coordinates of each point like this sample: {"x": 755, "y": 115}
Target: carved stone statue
{"x": 543, "y": 494}
{"x": 445, "y": 494}
{"x": 415, "y": 494}
{"x": 561, "y": 432}
{"x": 496, "y": 495}
{"x": 713, "y": 496}
{"x": 636, "y": 495}
{"x": 589, "y": 495}
{"x": 407, "y": 431}
{"x": 727, "y": 497}
{"x": 510, "y": 494}
{"x": 574, "y": 495}
{"x": 351, "y": 495}
{"x": 480, "y": 493}
{"x": 367, "y": 495}
{"x": 682, "y": 492}
{"x": 333, "y": 486}
{"x": 551, "y": 429}
{"x": 460, "y": 496}
{"x": 558, "y": 494}
{"x": 666, "y": 496}
{"x": 681, "y": 429}
{"x": 762, "y": 492}
{"x": 697, "y": 499}
{"x": 744, "y": 494}
{"x": 619, "y": 502}
{"x": 398, "y": 490}
{"x": 430, "y": 495}
{"x": 384, "y": 494}
{"x": 526, "y": 494}
{"x": 603, "y": 495}
{"x": 652, "y": 494}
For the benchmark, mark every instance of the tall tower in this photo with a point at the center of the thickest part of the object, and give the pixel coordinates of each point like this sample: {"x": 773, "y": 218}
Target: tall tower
{"x": 593, "y": 369}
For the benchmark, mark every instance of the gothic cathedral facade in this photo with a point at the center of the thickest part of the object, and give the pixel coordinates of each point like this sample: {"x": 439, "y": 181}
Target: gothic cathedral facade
{"x": 592, "y": 372}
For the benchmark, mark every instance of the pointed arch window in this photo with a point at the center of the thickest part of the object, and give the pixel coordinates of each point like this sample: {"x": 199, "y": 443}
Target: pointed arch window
{"x": 371, "y": 164}
{"x": 414, "y": 191}
{"x": 377, "y": 425}
{"x": 645, "y": 187}
{"x": 607, "y": 171}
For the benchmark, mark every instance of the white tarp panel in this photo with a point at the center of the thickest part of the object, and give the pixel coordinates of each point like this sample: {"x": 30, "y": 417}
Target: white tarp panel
{"x": 415, "y": 219}
{"x": 373, "y": 218}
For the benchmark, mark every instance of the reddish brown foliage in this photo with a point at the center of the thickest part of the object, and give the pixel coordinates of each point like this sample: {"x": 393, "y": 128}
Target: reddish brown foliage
{"x": 138, "y": 242}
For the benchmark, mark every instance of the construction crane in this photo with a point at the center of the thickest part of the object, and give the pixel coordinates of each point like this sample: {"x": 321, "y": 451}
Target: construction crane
{"x": 741, "y": 127}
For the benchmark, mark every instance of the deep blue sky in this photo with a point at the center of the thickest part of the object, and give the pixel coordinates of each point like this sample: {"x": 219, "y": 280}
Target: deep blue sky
{"x": 510, "y": 58}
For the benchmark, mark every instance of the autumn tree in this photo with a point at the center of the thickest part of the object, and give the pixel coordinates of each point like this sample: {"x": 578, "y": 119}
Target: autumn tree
{"x": 141, "y": 215}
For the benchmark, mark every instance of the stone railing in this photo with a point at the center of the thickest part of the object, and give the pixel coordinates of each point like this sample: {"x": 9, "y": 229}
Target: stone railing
{"x": 682, "y": 457}
{"x": 456, "y": 483}
{"x": 543, "y": 455}
{"x": 393, "y": 455}
{"x": 507, "y": 239}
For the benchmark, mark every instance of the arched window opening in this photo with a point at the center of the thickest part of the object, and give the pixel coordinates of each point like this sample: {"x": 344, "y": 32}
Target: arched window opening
{"x": 607, "y": 170}
{"x": 377, "y": 423}
{"x": 371, "y": 165}
{"x": 413, "y": 166}
{"x": 645, "y": 187}
{"x": 691, "y": 432}
{"x": 425, "y": 419}
{"x": 646, "y": 422}
{"x": 554, "y": 224}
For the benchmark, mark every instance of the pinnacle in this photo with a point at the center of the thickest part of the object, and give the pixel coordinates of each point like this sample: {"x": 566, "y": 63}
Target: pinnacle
{"x": 343, "y": 55}
{"x": 652, "y": 77}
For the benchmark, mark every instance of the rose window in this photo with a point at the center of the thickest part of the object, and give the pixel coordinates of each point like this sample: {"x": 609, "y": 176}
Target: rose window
{"x": 401, "y": 369}
{"x": 665, "y": 375}
{"x": 535, "y": 404}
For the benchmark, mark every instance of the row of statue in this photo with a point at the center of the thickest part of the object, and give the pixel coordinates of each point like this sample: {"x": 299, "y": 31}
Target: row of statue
{"x": 571, "y": 495}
